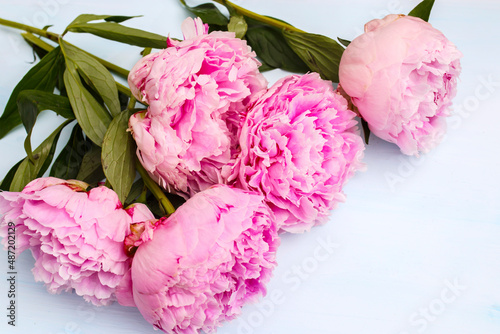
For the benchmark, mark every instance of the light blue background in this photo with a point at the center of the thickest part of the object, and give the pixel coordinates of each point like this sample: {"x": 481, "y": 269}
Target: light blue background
{"x": 420, "y": 254}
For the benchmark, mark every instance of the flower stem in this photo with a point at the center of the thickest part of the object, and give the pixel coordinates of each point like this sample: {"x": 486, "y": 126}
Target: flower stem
{"x": 264, "y": 19}
{"x": 167, "y": 207}
{"x": 131, "y": 103}
{"x": 110, "y": 66}
{"x": 17, "y": 25}
{"x": 123, "y": 89}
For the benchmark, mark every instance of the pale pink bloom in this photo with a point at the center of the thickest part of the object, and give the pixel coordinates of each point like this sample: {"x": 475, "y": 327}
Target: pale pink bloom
{"x": 402, "y": 75}
{"x": 197, "y": 91}
{"x": 75, "y": 236}
{"x": 299, "y": 146}
{"x": 203, "y": 263}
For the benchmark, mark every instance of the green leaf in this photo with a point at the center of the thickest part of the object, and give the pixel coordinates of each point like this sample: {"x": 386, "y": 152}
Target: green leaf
{"x": 91, "y": 115}
{"x": 120, "y": 18}
{"x": 208, "y": 12}
{"x": 68, "y": 163}
{"x": 423, "y": 10}
{"x": 36, "y": 49}
{"x": 7, "y": 180}
{"x": 154, "y": 206}
{"x": 238, "y": 25}
{"x": 214, "y": 27}
{"x": 95, "y": 74}
{"x": 280, "y": 20}
{"x": 176, "y": 200}
{"x": 265, "y": 67}
{"x": 366, "y": 130}
{"x": 42, "y": 76}
{"x": 136, "y": 191}
{"x": 28, "y": 112}
{"x": 46, "y": 101}
{"x": 320, "y": 53}
{"x": 31, "y": 102}
{"x": 85, "y": 18}
{"x": 270, "y": 46}
{"x": 91, "y": 168}
{"x": 118, "y": 156}
{"x": 344, "y": 42}
{"x": 49, "y": 158}
{"x": 28, "y": 170}
{"x": 119, "y": 33}
{"x": 124, "y": 99}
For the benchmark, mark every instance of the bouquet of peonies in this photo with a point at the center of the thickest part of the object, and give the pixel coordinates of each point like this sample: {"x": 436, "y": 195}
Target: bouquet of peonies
{"x": 204, "y": 164}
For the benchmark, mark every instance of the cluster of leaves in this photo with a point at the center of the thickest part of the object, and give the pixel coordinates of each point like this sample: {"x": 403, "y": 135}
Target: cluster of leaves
{"x": 76, "y": 86}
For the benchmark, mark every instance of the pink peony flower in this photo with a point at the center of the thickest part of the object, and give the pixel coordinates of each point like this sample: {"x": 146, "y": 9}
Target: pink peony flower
{"x": 204, "y": 262}
{"x": 402, "y": 74}
{"x": 197, "y": 91}
{"x": 76, "y": 237}
{"x": 299, "y": 146}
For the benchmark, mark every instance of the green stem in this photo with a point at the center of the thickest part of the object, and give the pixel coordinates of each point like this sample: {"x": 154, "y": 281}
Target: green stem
{"x": 146, "y": 51}
{"x": 167, "y": 207}
{"x": 131, "y": 103}
{"x": 143, "y": 196}
{"x": 264, "y": 19}
{"x": 123, "y": 89}
{"x": 17, "y": 25}
{"x": 110, "y": 66}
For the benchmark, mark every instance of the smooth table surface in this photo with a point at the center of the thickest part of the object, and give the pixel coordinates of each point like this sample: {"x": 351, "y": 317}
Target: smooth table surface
{"x": 414, "y": 249}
